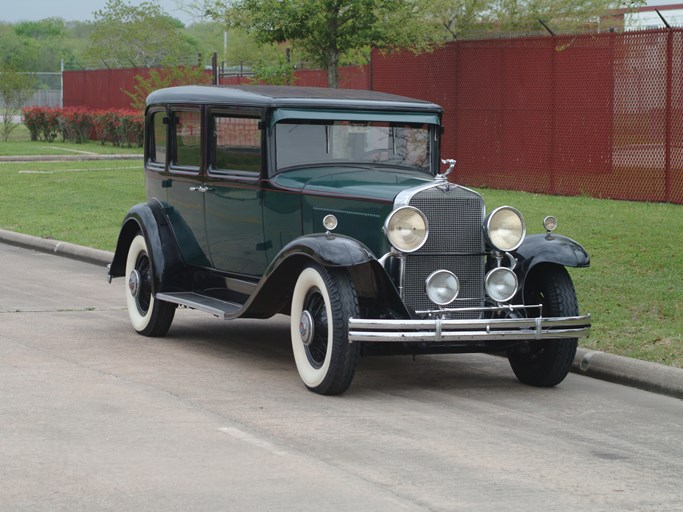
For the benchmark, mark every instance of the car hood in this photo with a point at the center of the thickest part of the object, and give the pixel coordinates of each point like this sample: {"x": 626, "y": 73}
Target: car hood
{"x": 374, "y": 183}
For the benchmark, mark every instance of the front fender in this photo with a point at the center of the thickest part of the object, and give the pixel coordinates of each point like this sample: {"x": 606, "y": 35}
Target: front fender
{"x": 148, "y": 219}
{"x": 556, "y": 249}
{"x": 327, "y": 249}
{"x": 551, "y": 249}
{"x": 274, "y": 289}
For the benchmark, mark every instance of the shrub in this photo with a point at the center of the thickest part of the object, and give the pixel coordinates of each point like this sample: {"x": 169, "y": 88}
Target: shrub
{"x": 132, "y": 127}
{"x": 42, "y": 122}
{"x": 75, "y": 124}
{"x": 120, "y": 127}
{"x": 31, "y": 116}
{"x": 103, "y": 123}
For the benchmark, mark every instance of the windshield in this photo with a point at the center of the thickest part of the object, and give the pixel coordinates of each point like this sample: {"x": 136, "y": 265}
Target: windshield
{"x": 314, "y": 142}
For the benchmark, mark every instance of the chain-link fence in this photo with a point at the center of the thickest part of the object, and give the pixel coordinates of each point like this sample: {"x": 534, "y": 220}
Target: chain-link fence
{"x": 595, "y": 114}
{"x": 48, "y": 90}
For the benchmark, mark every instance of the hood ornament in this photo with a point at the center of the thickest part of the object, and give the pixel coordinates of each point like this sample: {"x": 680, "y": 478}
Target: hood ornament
{"x": 443, "y": 177}
{"x": 451, "y": 166}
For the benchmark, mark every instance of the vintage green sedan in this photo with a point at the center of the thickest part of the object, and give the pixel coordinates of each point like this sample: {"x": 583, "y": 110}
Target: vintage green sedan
{"x": 329, "y": 206}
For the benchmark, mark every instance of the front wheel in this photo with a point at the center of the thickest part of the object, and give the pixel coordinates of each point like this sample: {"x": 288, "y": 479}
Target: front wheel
{"x": 150, "y": 317}
{"x": 323, "y": 300}
{"x": 547, "y": 363}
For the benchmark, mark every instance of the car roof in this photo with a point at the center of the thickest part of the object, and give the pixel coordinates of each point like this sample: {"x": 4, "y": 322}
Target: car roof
{"x": 287, "y": 96}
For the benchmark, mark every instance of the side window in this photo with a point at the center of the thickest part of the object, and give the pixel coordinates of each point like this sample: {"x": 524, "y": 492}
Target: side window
{"x": 158, "y": 138}
{"x": 188, "y": 134}
{"x": 236, "y": 144}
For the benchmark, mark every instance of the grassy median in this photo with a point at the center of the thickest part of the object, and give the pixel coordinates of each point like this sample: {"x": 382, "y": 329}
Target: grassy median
{"x": 19, "y": 144}
{"x": 633, "y": 289}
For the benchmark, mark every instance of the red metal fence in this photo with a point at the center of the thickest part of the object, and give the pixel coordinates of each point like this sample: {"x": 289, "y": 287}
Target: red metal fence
{"x": 100, "y": 88}
{"x": 598, "y": 114}
{"x": 595, "y": 114}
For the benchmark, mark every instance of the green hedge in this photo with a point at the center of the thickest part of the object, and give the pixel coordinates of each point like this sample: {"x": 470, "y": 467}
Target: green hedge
{"x": 120, "y": 127}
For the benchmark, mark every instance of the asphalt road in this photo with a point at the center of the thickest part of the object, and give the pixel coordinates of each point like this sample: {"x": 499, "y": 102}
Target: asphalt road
{"x": 214, "y": 417}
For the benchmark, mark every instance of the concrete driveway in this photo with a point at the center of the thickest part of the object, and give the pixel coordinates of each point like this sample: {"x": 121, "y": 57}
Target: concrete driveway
{"x": 214, "y": 417}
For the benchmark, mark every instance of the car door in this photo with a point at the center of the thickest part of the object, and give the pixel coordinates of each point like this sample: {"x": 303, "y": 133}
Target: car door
{"x": 234, "y": 215}
{"x": 185, "y": 185}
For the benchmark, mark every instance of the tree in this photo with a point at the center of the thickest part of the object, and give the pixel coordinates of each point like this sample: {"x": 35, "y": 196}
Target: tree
{"x": 137, "y": 35}
{"x": 48, "y": 37}
{"x": 211, "y": 36}
{"x": 15, "y": 89}
{"x": 326, "y": 30}
{"x": 16, "y": 51}
{"x": 461, "y": 18}
{"x": 277, "y": 72}
{"x": 167, "y": 77}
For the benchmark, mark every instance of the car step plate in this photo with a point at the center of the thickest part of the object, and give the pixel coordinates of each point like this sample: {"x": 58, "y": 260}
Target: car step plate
{"x": 217, "y": 307}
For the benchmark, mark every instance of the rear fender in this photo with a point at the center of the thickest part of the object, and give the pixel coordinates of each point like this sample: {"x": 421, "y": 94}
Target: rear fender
{"x": 149, "y": 220}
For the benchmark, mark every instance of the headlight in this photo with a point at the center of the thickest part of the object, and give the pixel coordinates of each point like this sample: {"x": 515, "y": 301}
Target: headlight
{"x": 501, "y": 284}
{"x": 406, "y": 228}
{"x": 505, "y": 228}
{"x": 442, "y": 287}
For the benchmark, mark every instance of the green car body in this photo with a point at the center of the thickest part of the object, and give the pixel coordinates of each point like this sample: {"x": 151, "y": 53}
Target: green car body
{"x": 328, "y": 206}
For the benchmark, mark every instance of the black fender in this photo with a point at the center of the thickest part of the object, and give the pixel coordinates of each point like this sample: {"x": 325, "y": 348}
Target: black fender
{"x": 149, "y": 219}
{"x": 273, "y": 293}
{"x": 327, "y": 249}
{"x": 548, "y": 248}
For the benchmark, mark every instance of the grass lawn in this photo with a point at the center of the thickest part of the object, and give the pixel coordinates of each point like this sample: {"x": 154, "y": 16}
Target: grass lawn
{"x": 19, "y": 144}
{"x": 633, "y": 288}
{"x": 79, "y": 202}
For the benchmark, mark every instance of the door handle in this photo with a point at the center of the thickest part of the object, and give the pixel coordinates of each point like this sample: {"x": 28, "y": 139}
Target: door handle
{"x": 201, "y": 188}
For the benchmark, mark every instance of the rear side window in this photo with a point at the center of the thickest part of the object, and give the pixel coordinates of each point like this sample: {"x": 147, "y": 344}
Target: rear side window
{"x": 236, "y": 144}
{"x": 158, "y": 138}
{"x": 188, "y": 132}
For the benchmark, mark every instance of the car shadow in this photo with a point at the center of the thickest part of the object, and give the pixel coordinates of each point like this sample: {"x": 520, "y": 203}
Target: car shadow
{"x": 263, "y": 344}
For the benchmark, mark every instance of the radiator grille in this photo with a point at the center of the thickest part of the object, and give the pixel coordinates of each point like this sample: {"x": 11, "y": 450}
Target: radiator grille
{"x": 455, "y": 243}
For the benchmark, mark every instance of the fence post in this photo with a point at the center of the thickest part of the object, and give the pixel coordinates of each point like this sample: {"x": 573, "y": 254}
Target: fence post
{"x": 667, "y": 115}
{"x": 214, "y": 68}
{"x": 61, "y": 84}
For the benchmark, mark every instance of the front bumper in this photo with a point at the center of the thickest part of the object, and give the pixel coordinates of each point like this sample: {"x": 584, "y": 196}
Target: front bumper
{"x": 493, "y": 329}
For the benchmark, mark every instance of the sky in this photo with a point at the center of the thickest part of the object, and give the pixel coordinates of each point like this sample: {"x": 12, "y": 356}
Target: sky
{"x": 81, "y": 10}
{"x": 78, "y": 10}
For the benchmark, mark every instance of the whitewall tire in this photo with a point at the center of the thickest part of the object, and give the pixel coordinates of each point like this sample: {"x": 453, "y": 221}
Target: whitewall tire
{"x": 322, "y": 302}
{"x": 149, "y": 316}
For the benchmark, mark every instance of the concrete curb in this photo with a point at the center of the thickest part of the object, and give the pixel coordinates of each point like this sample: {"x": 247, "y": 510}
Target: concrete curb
{"x": 665, "y": 380}
{"x": 654, "y": 377}
{"x": 73, "y": 251}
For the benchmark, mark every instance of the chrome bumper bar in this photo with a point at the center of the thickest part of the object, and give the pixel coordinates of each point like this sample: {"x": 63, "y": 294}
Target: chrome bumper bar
{"x": 493, "y": 329}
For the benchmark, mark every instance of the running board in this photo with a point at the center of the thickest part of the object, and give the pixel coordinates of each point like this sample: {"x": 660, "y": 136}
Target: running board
{"x": 216, "y": 307}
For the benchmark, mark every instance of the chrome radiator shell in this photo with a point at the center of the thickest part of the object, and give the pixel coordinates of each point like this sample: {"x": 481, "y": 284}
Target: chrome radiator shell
{"x": 455, "y": 242}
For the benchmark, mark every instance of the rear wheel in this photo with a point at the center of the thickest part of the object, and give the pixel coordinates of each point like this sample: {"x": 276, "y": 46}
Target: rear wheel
{"x": 323, "y": 300}
{"x": 547, "y": 363}
{"x": 150, "y": 317}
